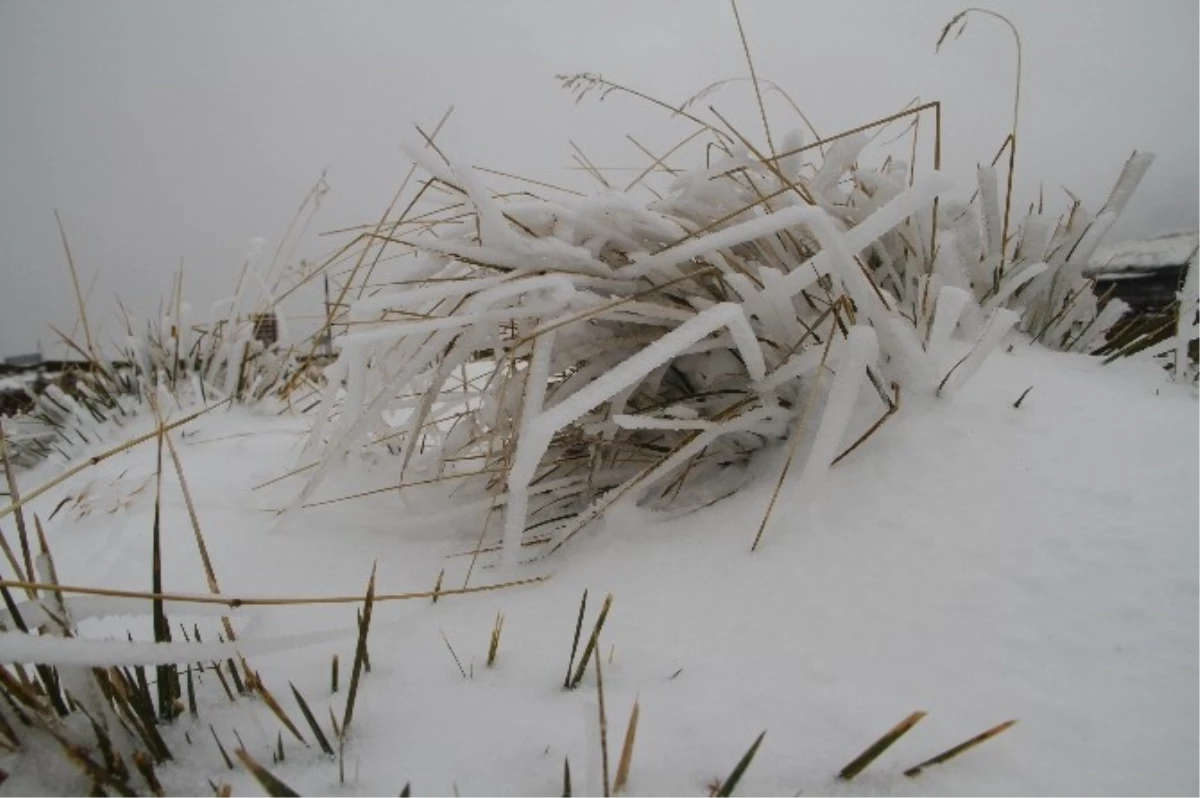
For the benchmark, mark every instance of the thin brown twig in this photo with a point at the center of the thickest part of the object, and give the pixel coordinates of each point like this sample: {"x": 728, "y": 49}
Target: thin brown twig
{"x": 236, "y": 602}
{"x": 87, "y": 331}
{"x": 762, "y": 109}
{"x": 99, "y": 458}
{"x": 808, "y": 405}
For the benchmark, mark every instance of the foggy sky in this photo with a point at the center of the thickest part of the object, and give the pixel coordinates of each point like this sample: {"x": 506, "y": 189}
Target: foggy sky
{"x": 171, "y": 133}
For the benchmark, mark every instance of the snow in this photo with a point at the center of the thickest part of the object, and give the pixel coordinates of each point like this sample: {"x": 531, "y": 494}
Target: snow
{"x": 972, "y": 560}
{"x": 860, "y": 352}
{"x": 18, "y": 382}
{"x": 1133, "y": 255}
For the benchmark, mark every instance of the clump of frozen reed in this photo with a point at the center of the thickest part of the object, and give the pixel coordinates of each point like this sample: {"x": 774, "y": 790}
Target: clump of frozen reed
{"x": 557, "y": 356}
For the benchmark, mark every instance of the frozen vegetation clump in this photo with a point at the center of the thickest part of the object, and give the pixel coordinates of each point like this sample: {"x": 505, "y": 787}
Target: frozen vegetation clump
{"x": 550, "y": 358}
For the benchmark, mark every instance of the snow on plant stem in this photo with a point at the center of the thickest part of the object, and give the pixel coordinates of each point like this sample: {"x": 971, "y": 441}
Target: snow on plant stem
{"x": 617, "y": 343}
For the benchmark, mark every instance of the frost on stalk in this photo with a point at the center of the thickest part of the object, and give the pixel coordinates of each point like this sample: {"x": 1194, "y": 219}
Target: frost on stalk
{"x": 552, "y": 358}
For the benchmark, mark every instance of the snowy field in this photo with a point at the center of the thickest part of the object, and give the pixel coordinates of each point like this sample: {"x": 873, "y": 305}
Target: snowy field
{"x": 1035, "y": 563}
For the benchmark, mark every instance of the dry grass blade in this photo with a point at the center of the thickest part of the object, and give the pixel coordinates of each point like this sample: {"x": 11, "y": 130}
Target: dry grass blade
{"x": 407, "y": 791}
{"x": 87, "y": 330}
{"x": 333, "y": 675}
{"x": 1021, "y": 398}
{"x": 167, "y": 674}
{"x": 603, "y": 728}
{"x": 437, "y": 587}
{"x": 366, "y": 650}
{"x": 795, "y": 443}
{"x": 268, "y": 780}
{"x": 360, "y": 653}
{"x": 1012, "y": 152}
{"x": 946, "y": 756}
{"x": 312, "y": 721}
{"x": 762, "y": 109}
{"x": 280, "y": 601}
{"x": 51, "y": 569}
{"x": 660, "y": 161}
{"x": 566, "y": 791}
{"x": 575, "y": 642}
{"x": 282, "y": 477}
{"x": 146, "y": 768}
{"x": 193, "y": 710}
{"x": 13, "y": 562}
{"x": 221, "y": 748}
{"x": 274, "y": 706}
{"x": 15, "y": 494}
{"x": 591, "y": 644}
{"x": 13, "y": 740}
{"x": 20, "y": 691}
{"x": 950, "y": 373}
{"x": 224, "y": 682}
{"x": 893, "y": 408}
{"x": 494, "y": 644}
{"x": 233, "y": 674}
{"x": 326, "y": 330}
{"x": 450, "y": 648}
{"x": 627, "y": 750}
{"x": 13, "y": 610}
{"x": 580, "y": 85}
{"x": 209, "y": 573}
{"x": 875, "y": 749}
{"x": 528, "y": 180}
{"x": 140, "y": 711}
{"x": 78, "y": 756}
{"x": 728, "y": 786}
{"x": 99, "y": 458}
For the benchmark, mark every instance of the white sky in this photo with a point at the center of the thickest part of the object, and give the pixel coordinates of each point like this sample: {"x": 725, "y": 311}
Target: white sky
{"x": 167, "y": 132}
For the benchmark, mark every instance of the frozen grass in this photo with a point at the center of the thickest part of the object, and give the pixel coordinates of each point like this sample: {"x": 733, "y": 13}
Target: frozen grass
{"x": 558, "y": 364}
{"x": 583, "y": 353}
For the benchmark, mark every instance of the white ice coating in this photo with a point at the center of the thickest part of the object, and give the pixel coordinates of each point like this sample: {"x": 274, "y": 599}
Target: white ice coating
{"x": 998, "y": 326}
{"x": 538, "y": 431}
{"x": 589, "y": 302}
{"x": 950, "y": 304}
{"x": 861, "y": 350}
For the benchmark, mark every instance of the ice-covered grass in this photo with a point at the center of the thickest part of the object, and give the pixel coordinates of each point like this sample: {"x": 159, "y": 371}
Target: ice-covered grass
{"x": 649, "y": 352}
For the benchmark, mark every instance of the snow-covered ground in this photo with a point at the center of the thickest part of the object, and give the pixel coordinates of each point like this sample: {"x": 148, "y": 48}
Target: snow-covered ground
{"x": 972, "y": 560}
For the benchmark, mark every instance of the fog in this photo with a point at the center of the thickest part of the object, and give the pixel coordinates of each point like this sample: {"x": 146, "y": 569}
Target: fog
{"x": 169, "y": 134}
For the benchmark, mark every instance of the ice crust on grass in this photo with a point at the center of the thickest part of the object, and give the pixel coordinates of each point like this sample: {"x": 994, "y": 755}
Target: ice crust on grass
{"x": 606, "y": 337}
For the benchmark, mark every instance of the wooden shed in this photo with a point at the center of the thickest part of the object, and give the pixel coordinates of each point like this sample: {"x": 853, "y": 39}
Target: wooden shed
{"x": 1149, "y": 275}
{"x": 1145, "y": 273}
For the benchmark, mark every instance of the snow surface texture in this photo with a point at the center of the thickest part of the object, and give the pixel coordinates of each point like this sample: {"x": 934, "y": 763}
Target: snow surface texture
{"x": 721, "y": 301}
{"x": 1035, "y": 563}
